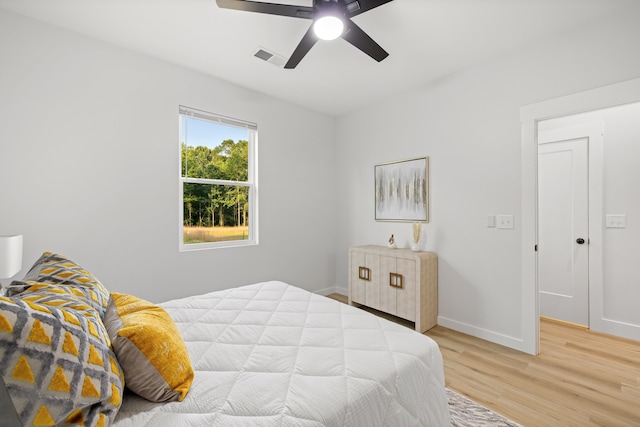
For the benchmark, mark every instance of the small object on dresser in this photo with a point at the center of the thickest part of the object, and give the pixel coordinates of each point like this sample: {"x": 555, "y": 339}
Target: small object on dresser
{"x": 392, "y": 242}
{"x": 415, "y": 245}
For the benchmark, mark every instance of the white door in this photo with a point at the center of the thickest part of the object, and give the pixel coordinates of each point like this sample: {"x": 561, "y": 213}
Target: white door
{"x": 563, "y": 228}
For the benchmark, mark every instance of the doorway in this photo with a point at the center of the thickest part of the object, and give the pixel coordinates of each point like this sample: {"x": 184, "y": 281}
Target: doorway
{"x": 531, "y": 117}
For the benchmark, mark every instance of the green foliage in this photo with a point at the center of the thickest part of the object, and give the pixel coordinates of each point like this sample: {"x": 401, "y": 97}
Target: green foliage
{"x": 208, "y": 205}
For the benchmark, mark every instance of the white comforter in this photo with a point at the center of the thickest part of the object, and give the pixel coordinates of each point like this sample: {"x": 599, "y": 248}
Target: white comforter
{"x": 271, "y": 354}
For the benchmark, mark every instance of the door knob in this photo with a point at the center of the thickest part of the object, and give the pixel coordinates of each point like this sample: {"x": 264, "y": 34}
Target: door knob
{"x": 580, "y": 241}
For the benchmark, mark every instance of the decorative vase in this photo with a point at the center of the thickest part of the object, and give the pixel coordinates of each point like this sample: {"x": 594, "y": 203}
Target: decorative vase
{"x": 415, "y": 244}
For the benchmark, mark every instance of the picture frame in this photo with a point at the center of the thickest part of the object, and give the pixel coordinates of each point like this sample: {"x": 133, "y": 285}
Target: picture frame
{"x": 402, "y": 190}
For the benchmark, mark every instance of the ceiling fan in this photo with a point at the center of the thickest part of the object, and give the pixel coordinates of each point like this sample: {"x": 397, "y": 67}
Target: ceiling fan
{"x": 331, "y": 19}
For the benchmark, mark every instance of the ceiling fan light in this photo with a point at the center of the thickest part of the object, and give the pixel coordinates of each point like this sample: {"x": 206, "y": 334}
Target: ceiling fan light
{"x": 328, "y": 27}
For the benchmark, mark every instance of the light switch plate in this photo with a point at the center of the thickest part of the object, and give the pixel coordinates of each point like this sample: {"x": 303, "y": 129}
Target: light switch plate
{"x": 504, "y": 221}
{"x": 616, "y": 221}
{"x": 491, "y": 221}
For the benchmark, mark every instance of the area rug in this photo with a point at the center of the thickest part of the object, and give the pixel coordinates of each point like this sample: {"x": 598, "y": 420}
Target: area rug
{"x": 467, "y": 413}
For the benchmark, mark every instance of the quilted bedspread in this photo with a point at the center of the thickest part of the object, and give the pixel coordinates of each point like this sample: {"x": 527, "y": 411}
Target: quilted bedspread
{"x": 271, "y": 354}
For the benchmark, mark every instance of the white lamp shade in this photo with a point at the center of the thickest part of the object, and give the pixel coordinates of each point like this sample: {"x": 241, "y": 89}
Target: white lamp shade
{"x": 10, "y": 256}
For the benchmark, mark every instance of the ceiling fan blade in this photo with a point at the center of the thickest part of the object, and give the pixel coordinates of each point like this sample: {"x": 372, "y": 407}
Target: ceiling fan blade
{"x": 354, "y": 35}
{"x": 305, "y": 45}
{"x": 356, "y": 7}
{"x": 270, "y": 8}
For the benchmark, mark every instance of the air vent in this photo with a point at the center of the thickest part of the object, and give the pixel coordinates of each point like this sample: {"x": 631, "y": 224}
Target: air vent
{"x": 263, "y": 54}
{"x": 270, "y": 57}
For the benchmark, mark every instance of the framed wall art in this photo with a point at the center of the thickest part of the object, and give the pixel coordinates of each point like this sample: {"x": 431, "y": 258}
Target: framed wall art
{"x": 402, "y": 190}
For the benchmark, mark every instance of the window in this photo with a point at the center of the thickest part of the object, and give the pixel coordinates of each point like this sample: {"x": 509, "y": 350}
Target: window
{"x": 218, "y": 197}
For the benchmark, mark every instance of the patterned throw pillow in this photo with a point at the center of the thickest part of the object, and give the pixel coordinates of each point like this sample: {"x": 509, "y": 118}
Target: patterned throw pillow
{"x": 149, "y": 348}
{"x": 55, "y": 359}
{"x": 58, "y": 269}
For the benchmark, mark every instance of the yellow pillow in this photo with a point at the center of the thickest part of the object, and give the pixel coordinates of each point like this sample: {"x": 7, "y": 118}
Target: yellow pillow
{"x": 149, "y": 348}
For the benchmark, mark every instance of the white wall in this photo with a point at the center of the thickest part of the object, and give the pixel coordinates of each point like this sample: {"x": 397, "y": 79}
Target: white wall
{"x": 89, "y": 163}
{"x": 469, "y": 126}
{"x": 620, "y": 290}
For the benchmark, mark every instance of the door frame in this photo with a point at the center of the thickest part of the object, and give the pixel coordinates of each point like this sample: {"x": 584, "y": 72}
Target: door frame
{"x": 604, "y": 97}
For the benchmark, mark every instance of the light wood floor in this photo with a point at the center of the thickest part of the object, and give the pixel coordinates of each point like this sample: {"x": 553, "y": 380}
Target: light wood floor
{"x": 580, "y": 378}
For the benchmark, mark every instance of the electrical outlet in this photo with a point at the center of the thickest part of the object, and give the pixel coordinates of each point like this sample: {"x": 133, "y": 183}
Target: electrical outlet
{"x": 616, "y": 221}
{"x": 504, "y": 221}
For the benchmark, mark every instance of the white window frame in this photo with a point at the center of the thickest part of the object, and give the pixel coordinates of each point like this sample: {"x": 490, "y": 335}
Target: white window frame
{"x": 251, "y": 183}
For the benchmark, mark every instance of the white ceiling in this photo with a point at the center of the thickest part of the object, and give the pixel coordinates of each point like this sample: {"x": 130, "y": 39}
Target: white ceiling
{"x": 426, "y": 40}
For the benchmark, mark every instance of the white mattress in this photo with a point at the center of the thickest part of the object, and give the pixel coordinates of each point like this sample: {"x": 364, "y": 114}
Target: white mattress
{"x": 271, "y": 354}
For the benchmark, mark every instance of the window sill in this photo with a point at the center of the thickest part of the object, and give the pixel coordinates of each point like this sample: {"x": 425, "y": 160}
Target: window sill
{"x": 216, "y": 245}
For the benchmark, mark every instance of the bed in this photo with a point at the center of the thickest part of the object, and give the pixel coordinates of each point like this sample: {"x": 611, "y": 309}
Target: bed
{"x": 267, "y": 354}
{"x": 271, "y": 354}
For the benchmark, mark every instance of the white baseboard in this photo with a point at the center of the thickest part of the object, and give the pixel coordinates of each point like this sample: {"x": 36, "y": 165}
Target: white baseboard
{"x": 485, "y": 334}
{"x": 615, "y": 327}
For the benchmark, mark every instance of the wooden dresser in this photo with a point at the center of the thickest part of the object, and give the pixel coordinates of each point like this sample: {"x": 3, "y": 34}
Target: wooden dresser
{"x": 397, "y": 281}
